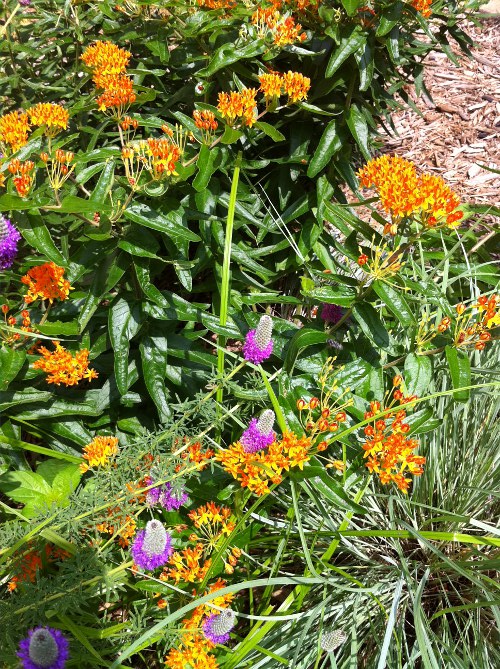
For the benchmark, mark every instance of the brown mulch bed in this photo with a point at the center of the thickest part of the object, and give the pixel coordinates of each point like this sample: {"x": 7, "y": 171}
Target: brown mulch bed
{"x": 459, "y": 129}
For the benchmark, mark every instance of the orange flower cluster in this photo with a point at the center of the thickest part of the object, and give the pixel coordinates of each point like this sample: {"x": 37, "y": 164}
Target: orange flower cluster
{"x": 241, "y": 106}
{"x": 33, "y": 562}
{"x": 99, "y": 452}
{"x": 187, "y": 565}
{"x": 297, "y": 5}
{"x": 422, "y": 6}
{"x": 472, "y": 330}
{"x": 320, "y": 417}
{"x": 284, "y": 30}
{"x": 216, "y": 4}
{"x": 62, "y": 367}
{"x": 194, "y": 650}
{"x": 256, "y": 471}
{"x": 123, "y": 526}
{"x": 389, "y": 451}
{"x": 195, "y": 454}
{"x": 213, "y": 522}
{"x": 294, "y": 84}
{"x": 23, "y": 175}
{"x": 12, "y": 321}
{"x": 205, "y": 121}
{"x": 46, "y": 282}
{"x": 14, "y": 130}
{"x": 165, "y": 155}
{"x": 54, "y": 117}
{"x": 403, "y": 193}
{"x": 109, "y": 63}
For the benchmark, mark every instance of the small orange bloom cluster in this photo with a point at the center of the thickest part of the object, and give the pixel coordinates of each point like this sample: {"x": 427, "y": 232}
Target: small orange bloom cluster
{"x": 472, "y": 330}
{"x": 46, "y": 282}
{"x": 59, "y": 170}
{"x": 99, "y": 452}
{"x": 241, "y": 106}
{"x": 205, "y": 120}
{"x": 33, "y": 562}
{"x": 195, "y": 454}
{"x": 165, "y": 155}
{"x": 404, "y": 193}
{"x": 12, "y": 321}
{"x": 194, "y": 649}
{"x": 23, "y": 175}
{"x": 123, "y": 526}
{"x": 294, "y": 84}
{"x": 285, "y": 30}
{"x": 213, "y": 522}
{"x": 54, "y": 117}
{"x": 109, "y": 63}
{"x": 187, "y": 565}
{"x": 62, "y": 367}
{"x": 297, "y": 5}
{"x": 422, "y": 6}
{"x": 14, "y": 130}
{"x": 256, "y": 471}
{"x": 216, "y": 4}
{"x": 320, "y": 417}
{"x": 388, "y": 449}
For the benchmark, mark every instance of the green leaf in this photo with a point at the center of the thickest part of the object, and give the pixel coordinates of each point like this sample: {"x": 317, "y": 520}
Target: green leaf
{"x": 417, "y": 374}
{"x": 339, "y": 294}
{"x": 270, "y": 131}
{"x": 302, "y": 339}
{"x": 123, "y": 323}
{"x": 351, "y": 6}
{"x": 459, "y": 364}
{"x": 11, "y": 361}
{"x": 371, "y": 325}
{"x": 206, "y": 164}
{"x": 10, "y": 202}
{"x": 154, "y": 367}
{"x": 230, "y": 53}
{"x": 169, "y": 223}
{"x": 391, "y": 16}
{"x": 358, "y": 126}
{"x": 349, "y": 43}
{"x": 103, "y": 187}
{"x": 366, "y": 66}
{"x": 56, "y": 328}
{"x": 395, "y": 302}
{"x": 328, "y": 145}
{"x": 230, "y": 135}
{"x": 77, "y": 205}
{"x": 37, "y": 235}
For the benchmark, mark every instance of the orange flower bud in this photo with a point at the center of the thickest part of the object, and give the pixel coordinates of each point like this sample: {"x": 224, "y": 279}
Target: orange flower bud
{"x": 323, "y": 425}
{"x": 460, "y": 308}
{"x": 44, "y": 157}
{"x": 301, "y": 404}
{"x": 363, "y": 259}
{"x": 325, "y": 413}
{"x": 341, "y": 417}
{"x": 5, "y": 308}
{"x": 314, "y": 402}
{"x": 397, "y": 380}
{"x": 398, "y": 395}
{"x": 480, "y": 346}
{"x": 333, "y": 426}
{"x": 322, "y": 446}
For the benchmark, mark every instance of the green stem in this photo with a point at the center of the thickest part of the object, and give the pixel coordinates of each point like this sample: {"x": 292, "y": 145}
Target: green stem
{"x": 226, "y": 276}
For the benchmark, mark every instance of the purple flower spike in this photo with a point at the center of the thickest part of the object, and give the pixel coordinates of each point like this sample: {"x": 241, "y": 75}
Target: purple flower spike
{"x": 44, "y": 648}
{"x": 9, "y": 238}
{"x": 258, "y": 344}
{"x": 331, "y": 313}
{"x": 171, "y": 499}
{"x": 217, "y": 626}
{"x": 259, "y": 433}
{"x": 152, "y": 547}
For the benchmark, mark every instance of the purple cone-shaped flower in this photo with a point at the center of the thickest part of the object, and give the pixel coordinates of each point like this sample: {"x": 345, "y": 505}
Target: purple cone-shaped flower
{"x": 258, "y": 344}
{"x": 9, "y": 239}
{"x": 152, "y": 547}
{"x": 44, "y": 648}
{"x": 259, "y": 433}
{"x": 217, "y": 626}
{"x": 331, "y": 313}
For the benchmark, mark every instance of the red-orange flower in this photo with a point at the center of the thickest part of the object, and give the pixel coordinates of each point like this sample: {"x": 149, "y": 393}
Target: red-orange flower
{"x": 46, "y": 282}
{"x": 118, "y": 92}
{"x": 195, "y": 453}
{"x": 205, "y": 120}
{"x": 422, "y": 6}
{"x": 99, "y": 452}
{"x": 62, "y": 367}
{"x": 32, "y": 562}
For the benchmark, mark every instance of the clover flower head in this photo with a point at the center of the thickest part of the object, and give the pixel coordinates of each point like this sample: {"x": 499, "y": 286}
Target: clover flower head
{"x": 258, "y": 344}
{"x": 152, "y": 547}
{"x": 331, "y": 313}
{"x": 259, "y": 434}
{"x": 9, "y": 239}
{"x": 218, "y": 626}
{"x": 170, "y": 498}
{"x": 44, "y": 648}
{"x": 332, "y": 639}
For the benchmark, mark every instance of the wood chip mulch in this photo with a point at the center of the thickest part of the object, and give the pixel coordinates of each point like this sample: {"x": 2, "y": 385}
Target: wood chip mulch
{"x": 459, "y": 129}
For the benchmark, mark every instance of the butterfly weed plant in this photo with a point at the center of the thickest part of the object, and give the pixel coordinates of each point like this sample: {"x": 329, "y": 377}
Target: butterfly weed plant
{"x": 247, "y": 420}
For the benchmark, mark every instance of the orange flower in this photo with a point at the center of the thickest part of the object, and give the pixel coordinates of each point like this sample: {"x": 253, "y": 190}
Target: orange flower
{"x": 53, "y": 116}
{"x": 388, "y": 449}
{"x": 194, "y": 453}
{"x": 165, "y": 155}
{"x": 62, "y": 367}
{"x": 123, "y": 526}
{"x": 287, "y": 31}
{"x": 403, "y": 192}
{"x": 216, "y": 4}
{"x": 187, "y": 565}
{"x": 240, "y": 106}
{"x": 99, "y": 452}
{"x": 296, "y": 86}
{"x": 205, "y": 120}
{"x": 270, "y": 85}
{"x": 118, "y": 92}
{"x": 33, "y": 562}
{"x": 256, "y": 471}
{"x": 14, "y": 129}
{"x": 46, "y": 282}
{"x": 106, "y": 57}
{"x": 422, "y": 6}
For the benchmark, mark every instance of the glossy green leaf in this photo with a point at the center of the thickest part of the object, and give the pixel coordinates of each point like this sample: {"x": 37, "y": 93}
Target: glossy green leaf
{"x": 328, "y": 145}
{"x": 417, "y": 374}
{"x": 371, "y": 325}
{"x": 38, "y": 236}
{"x": 101, "y": 191}
{"x": 123, "y": 323}
{"x": 207, "y": 164}
{"x": 270, "y": 131}
{"x": 459, "y": 365}
{"x": 11, "y": 361}
{"x": 301, "y": 340}
{"x": 349, "y": 43}
{"x": 154, "y": 367}
{"x": 358, "y": 126}
{"x": 395, "y": 302}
